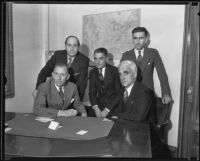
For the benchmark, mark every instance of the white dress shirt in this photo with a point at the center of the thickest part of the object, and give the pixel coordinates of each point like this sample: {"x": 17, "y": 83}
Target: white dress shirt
{"x": 137, "y": 54}
{"x": 103, "y": 71}
{"x": 129, "y": 89}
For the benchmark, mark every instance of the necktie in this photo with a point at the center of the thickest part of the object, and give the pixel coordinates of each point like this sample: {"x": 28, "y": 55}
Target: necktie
{"x": 69, "y": 61}
{"x": 61, "y": 93}
{"x": 125, "y": 95}
{"x": 139, "y": 56}
{"x": 100, "y": 74}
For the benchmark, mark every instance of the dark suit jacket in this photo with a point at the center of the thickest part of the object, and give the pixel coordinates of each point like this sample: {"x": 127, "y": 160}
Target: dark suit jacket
{"x": 151, "y": 59}
{"x": 104, "y": 93}
{"x": 48, "y": 101}
{"x": 140, "y": 104}
{"x": 78, "y": 70}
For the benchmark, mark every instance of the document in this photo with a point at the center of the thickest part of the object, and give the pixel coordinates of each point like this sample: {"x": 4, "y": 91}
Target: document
{"x": 44, "y": 119}
{"x": 82, "y": 132}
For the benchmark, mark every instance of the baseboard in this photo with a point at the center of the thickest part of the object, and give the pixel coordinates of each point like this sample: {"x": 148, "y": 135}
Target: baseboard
{"x": 173, "y": 151}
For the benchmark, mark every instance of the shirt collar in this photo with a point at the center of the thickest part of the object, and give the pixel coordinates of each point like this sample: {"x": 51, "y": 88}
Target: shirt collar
{"x": 58, "y": 87}
{"x": 136, "y": 52}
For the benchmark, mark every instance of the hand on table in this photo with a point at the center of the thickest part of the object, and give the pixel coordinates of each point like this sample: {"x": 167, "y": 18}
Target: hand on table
{"x": 166, "y": 99}
{"x": 97, "y": 110}
{"x": 83, "y": 114}
{"x": 67, "y": 113}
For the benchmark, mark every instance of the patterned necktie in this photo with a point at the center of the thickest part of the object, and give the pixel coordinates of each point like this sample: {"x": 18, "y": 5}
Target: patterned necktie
{"x": 139, "y": 56}
{"x": 125, "y": 95}
{"x": 69, "y": 61}
{"x": 61, "y": 93}
{"x": 100, "y": 74}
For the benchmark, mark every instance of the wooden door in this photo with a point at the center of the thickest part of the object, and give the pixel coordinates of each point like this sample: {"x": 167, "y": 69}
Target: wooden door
{"x": 188, "y": 137}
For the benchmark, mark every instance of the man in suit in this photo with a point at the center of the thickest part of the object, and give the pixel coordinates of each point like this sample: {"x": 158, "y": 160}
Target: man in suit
{"x": 55, "y": 96}
{"x": 137, "y": 100}
{"x": 104, "y": 85}
{"x": 146, "y": 59}
{"x": 77, "y": 62}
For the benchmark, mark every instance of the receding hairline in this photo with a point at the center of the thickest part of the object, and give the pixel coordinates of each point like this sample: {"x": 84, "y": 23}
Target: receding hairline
{"x": 62, "y": 65}
{"x": 129, "y": 63}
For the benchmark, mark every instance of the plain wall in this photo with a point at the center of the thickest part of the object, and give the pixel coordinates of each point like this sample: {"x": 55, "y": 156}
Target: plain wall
{"x": 27, "y": 43}
{"x": 164, "y": 22}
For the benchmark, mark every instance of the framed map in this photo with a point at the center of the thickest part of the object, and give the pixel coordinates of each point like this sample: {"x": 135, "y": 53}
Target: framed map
{"x": 110, "y": 30}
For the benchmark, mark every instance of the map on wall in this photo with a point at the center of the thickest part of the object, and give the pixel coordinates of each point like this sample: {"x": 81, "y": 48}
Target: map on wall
{"x": 110, "y": 30}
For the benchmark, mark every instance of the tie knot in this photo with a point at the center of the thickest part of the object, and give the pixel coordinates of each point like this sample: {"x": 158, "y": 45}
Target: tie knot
{"x": 139, "y": 52}
{"x": 60, "y": 88}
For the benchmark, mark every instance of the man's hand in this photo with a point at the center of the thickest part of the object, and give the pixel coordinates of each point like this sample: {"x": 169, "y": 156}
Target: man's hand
{"x": 104, "y": 113}
{"x": 97, "y": 110}
{"x": 34, "y": 93}
{"x": 83, "y": 114}
{"x": 67, "y": 113}
{"x": 166, "y": 99}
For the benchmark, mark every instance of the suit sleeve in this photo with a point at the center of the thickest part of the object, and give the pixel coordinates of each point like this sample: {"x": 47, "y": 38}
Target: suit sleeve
{"x": 113, "y": 101}
{"x": 77, "y": 103}
{"x": 92, "y": 89}
{"x": 40, "y": 105}
{"x": 82, "y": 81}
{"x": 162, "y": 75}
{"x": 141, "y": 108}
{"x": 46, "y": 71}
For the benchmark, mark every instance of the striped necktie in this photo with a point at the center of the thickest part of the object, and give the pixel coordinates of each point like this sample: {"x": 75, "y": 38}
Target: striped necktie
{"x": 61, "y": 93}
{"x": 125, "y": 95}
{"x": 100, "y": 74}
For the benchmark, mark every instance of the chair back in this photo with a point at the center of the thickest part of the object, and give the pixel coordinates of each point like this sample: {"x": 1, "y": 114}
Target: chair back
{"x": 162, "y": 112}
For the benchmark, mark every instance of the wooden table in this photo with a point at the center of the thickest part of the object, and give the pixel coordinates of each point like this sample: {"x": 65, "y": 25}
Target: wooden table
{"x": 125, "y": 139}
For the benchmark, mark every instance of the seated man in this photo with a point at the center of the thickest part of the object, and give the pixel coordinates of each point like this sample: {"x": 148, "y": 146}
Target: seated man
{"x": 137, "y": 100}
{"x": 56, "y": 95}
{"x": 104, "y": 85}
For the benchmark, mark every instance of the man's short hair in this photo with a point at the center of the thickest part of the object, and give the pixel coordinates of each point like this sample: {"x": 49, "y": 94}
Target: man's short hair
{"x": 131, "y": 64}
{"x": 140, "y": 29}
{"x": 101, "y": 50}
{"x": 61, "y": 65}
{"x": 73, "y": 37}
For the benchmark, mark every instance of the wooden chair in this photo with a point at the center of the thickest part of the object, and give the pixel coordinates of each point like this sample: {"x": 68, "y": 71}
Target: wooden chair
{"x": 163, "y": 122}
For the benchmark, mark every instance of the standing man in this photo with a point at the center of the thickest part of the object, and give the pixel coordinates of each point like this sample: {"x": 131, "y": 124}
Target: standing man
{"x": 56, "y": 95}
{"x": 137, "y": 99}
{"x": 77, "y": 63}
{"x": 146, "y": 59}
{"x": 104, "y": 85}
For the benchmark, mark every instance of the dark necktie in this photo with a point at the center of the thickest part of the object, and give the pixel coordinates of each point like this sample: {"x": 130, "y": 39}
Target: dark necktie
{"x": 125, "y": 95}
{"x": 139, "y": 57}
{"x": 100, "y": 74}
{"x": 61, "y": 93}
{"x": 69, "y": 61}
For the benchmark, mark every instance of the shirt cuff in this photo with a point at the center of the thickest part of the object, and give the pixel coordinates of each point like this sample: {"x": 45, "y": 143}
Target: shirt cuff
{"x": 107, "y": 109}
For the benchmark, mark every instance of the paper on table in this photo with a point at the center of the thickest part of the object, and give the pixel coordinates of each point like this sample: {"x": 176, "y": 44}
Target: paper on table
{"x": 81, "y": 132}
{"x": 44, "y": 119}
{"x": 105, "y": 119}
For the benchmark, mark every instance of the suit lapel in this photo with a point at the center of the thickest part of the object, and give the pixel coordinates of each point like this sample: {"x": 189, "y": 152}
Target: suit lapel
{"x": 75, "y": 61}
{"x": 54, "y": 93}
{"x": 145, "y": 59}
{"x": 134, "y": 56}
{"x": 67, "y": 94}
{"x": 107, "y": 75}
